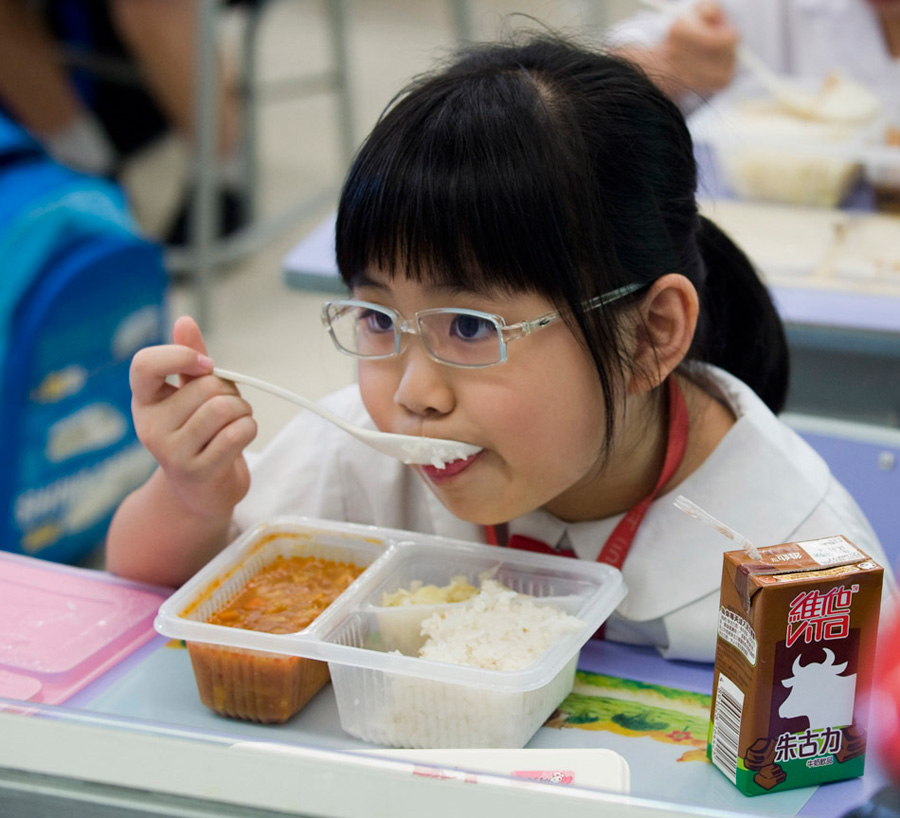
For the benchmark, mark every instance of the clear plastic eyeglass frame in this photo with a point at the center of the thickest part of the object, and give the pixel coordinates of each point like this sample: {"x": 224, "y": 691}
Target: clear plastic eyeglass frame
{"x": 417, "y": 325}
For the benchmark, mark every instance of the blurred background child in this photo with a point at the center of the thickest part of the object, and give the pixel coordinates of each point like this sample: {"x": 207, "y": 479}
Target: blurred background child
{"x": 159, "y": 36}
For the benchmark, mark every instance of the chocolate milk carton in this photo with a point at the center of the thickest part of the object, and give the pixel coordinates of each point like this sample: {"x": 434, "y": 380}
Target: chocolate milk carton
{"x": 794, "y": 661}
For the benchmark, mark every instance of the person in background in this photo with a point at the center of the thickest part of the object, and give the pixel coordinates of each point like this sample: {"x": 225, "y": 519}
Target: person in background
{"x": 884, "y": 718}
{"x": 528, "y": 213}
{"x": 691, "y": 53}
{"x": 161, "y": 36}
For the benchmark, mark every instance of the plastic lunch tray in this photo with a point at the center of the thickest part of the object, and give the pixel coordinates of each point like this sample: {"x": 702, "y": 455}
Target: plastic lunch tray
{"x": 61, "y": 627}
{"x": 589, "y": 591}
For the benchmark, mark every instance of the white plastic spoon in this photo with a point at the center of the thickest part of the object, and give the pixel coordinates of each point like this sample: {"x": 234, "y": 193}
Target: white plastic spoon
{"x": 788, "y": 95}
{"x": 407, "y": 448}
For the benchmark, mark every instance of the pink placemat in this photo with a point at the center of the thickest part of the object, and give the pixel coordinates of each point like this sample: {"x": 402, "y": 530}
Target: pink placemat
{"x": 61, "y": 627}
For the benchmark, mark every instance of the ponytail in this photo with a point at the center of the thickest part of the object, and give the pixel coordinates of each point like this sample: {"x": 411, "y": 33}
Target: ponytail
{"x": 740, "y": 329}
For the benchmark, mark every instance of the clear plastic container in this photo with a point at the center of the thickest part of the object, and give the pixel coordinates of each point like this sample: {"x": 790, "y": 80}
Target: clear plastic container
{"x": 241, "y": 682}
{"x": 765, "y": 153}
{"x": 402, "y": 700}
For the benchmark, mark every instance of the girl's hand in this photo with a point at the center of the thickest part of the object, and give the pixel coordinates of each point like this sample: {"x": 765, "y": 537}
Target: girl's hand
{"x": 196, "y": 431}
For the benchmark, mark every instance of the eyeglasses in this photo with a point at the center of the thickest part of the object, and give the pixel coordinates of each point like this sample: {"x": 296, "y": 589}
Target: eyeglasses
{"x": 465, "y": 338}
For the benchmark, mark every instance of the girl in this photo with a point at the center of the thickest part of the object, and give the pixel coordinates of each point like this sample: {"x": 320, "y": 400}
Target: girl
{"x": 528, "y": 212}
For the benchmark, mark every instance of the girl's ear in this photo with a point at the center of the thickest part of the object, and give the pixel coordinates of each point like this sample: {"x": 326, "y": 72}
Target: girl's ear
{"x": 663, "y": 331}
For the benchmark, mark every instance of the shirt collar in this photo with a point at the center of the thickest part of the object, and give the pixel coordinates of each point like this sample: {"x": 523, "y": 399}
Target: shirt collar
{"x": 762, "y": 480}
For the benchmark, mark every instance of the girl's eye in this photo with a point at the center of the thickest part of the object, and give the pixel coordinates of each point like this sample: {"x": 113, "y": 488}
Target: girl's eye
{"x": 374, "y": 321}
{"x": 472, "y": 328}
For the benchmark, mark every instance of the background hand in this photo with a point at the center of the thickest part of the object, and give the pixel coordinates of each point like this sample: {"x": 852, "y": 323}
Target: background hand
{"x": 700, "y": 49}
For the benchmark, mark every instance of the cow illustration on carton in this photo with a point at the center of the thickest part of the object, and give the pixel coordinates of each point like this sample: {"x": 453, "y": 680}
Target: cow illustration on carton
{"x": 820, "y": 693}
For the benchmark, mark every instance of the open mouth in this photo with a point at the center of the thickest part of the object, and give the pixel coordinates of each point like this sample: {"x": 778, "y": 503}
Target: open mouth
{"x": 450, "y": 469}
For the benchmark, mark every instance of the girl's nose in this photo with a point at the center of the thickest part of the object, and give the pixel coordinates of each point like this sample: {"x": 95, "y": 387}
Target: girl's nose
{"x": 424, "y": 388}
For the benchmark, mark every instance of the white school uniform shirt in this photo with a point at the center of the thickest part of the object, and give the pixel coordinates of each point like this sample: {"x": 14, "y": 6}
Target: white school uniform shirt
{"x": 762, "y": 479}
{"x": 804, "y": 38}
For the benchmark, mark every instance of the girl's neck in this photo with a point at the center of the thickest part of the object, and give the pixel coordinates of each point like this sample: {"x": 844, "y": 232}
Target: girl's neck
{"x": 711, "y": 420}
{"x": 637, "y": 463}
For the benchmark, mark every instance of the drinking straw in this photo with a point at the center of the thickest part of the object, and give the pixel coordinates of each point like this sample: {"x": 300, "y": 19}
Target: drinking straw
{"x": 693, "y": 510}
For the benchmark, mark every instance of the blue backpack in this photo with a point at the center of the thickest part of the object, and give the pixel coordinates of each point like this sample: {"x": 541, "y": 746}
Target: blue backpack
{"x": 80, "y": 293}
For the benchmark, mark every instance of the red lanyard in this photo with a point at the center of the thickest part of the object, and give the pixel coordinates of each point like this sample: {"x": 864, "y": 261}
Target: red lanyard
{"x": 619, "y": 542}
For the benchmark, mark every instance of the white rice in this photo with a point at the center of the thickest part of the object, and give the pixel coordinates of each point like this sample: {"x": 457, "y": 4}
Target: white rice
{"x": 437, "y": 452}
{"x": 497, "y": 630}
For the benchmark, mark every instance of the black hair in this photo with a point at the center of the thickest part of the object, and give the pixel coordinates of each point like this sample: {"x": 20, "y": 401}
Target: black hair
{"x": 547, "y": 167}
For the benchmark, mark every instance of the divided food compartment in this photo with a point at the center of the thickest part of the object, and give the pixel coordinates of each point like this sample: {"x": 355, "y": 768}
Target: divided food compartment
{"x": 385, "y": 696}
{"x": 236, "y": 674}
{"x": 405, "y": 701}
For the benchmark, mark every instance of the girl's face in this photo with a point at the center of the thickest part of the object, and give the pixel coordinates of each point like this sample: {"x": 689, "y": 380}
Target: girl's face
{"x": 539, "y": 416}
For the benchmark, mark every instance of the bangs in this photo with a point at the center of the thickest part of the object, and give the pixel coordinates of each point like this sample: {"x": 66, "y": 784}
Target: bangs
{"x": 459, "y": 185}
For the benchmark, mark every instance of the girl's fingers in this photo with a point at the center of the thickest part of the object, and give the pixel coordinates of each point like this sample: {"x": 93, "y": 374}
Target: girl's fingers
{"x": 188, "y": 417}
{"x": 186, "y": 333}
{"x": 186, "y": 357}
{"x": 200, "y": 453}
{"x": 227, "y": 445}
{"x": 208, "y": 420}
{"x": 197, "y": 430}
{"x": 151, "y": 366}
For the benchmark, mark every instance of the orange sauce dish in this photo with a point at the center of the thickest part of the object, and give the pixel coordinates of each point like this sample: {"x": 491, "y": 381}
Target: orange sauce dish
{"x": 287, "y": 595}
{"x": 283, "y": 597}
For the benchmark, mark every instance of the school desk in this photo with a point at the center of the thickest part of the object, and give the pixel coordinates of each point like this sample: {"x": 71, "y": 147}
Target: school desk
{"x": 135, "y": 740}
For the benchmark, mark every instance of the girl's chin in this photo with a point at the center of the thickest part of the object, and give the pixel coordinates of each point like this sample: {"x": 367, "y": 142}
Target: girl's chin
{"x": 480, "y": 508}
